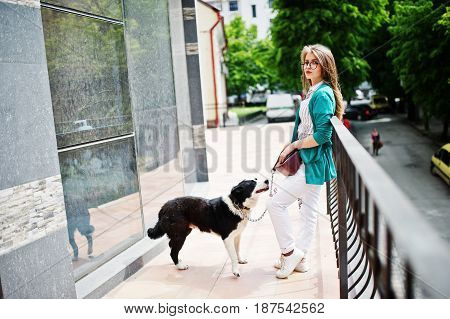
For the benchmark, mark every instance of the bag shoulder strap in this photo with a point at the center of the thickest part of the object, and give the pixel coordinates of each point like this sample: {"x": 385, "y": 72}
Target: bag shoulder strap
{"x": 297, "y": 123}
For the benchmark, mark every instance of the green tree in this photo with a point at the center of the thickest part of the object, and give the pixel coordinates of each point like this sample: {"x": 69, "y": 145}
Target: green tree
{"x": 420, "y": 55}
{"x": 249, "y": 60}
{"x": 344, "y": 26}
{"x": 382, "y": 75}
{"x": 263, "y": 54}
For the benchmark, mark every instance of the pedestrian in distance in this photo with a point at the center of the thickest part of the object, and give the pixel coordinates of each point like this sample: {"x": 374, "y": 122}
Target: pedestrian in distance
{"x": 311, "y": 138}
{"x": 376, "y": 141}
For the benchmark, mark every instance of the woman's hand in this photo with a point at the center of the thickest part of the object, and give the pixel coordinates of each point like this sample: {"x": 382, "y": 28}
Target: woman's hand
{"x": 287, "y": 150}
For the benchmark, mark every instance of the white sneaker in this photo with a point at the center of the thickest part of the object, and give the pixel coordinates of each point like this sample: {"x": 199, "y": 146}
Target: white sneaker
{"x": 303, "y": 265}
{"x": 288, "y": 263}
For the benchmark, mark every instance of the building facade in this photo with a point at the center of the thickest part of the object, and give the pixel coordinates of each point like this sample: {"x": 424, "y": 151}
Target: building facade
{"x": 212, "y": 45}
{"x": 257, "y": 12}
{"x": 102, "y": 122}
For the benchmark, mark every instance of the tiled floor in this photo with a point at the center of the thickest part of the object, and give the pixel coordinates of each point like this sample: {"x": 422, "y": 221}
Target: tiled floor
{"x": 209, "y": 275}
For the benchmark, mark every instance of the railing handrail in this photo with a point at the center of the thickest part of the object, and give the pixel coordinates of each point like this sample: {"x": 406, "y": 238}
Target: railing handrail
{"x": 415, "y": 240}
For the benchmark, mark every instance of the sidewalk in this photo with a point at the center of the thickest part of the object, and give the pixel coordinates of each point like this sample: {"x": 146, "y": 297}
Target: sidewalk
{"x": 435, "y": 132}
{"x": 209, "y": 275}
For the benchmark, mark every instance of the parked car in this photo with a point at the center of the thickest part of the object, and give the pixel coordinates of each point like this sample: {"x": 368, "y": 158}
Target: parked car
{"x": 359, "y": 110}
{"x": 82, "y": 125}
{"x": 232, "y": 100}
{"x": 359, "y": 95}
{"x": 257, "y": 99}
{"x": 280, "y": 107}
{"x": 440, "y": 163}
{"x": 379, "y": 103}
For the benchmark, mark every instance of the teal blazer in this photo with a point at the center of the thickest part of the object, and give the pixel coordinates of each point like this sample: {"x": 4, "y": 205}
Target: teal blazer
{"x": 319, "y": 164}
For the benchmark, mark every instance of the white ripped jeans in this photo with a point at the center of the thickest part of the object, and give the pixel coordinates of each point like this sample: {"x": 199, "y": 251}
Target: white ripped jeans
{"x": 288, "y": 191}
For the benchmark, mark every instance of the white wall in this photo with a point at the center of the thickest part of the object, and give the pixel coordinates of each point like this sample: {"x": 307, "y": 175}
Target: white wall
{"x": 263, "y": 13}
{"x": 206, "y": 18}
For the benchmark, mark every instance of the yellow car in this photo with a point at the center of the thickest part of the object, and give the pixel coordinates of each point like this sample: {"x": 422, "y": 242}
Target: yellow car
{"x": 440, "y": 163}
{"x": 379, "y": 102}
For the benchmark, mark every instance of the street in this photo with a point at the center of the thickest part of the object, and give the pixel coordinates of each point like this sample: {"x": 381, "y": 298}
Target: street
{"x": 406, "y": 157}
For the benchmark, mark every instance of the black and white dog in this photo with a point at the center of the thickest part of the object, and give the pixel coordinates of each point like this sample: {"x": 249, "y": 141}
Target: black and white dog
{"x": 224, "y": 216}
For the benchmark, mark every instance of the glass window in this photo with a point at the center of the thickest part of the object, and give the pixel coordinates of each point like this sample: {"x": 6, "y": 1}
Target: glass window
{"x": 155, "y": 111}
{"x": 446, "y": 158}
{"x": 233, "y": 5}
{"x": 101, "y": 194}
{"x": 440, "y": 154}
{"x": 253, "y": 10}
{"x": 88, "y": 78}
{"x": 105, "y": 8}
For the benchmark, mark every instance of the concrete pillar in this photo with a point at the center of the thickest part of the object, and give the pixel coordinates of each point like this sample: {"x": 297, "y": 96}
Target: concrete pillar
{"x": 186, "y": 68}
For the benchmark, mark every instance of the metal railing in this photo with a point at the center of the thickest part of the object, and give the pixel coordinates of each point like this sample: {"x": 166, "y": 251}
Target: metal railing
{"x": 384, "y": 247}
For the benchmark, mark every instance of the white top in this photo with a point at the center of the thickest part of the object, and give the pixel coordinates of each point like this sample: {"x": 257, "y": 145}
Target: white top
{"x": 306, "y": 125}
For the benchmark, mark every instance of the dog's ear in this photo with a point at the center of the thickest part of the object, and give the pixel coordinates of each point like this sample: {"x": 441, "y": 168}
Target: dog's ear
{"x": 237, "y": 190}
{"x": 236, "y": 194}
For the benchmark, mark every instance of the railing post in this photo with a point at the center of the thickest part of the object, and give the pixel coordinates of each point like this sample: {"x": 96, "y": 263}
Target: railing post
{"x": 342, "y": 222}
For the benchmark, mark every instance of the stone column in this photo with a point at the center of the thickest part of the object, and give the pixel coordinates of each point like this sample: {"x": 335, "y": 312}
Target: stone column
{"x": 34, "y": 260}
{"x": 186, "y": 68}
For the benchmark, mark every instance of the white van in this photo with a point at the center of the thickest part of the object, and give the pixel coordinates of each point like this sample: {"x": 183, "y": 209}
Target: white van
{"x": 280, "y": 107}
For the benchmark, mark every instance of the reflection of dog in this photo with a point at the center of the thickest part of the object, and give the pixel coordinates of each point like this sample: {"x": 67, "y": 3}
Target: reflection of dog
{"x": 222, "y": 216}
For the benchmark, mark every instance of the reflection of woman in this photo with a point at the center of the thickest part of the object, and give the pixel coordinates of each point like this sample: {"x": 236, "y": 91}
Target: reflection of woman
{"x": 312, "y": 137}
{"x": 78, "y": 217}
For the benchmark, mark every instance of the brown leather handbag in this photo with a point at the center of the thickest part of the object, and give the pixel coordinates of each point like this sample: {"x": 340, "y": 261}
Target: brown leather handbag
{"x": 290, "y": 165}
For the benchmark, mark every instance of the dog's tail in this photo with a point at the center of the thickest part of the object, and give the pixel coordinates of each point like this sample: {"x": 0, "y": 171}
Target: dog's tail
{"x": 156, "y": 232}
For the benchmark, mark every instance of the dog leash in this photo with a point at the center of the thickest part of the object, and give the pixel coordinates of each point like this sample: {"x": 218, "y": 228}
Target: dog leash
{"x": 265, "y": 211}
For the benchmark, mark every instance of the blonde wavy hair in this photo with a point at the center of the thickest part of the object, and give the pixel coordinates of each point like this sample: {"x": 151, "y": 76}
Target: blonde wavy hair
{"x": 329, "y": 73}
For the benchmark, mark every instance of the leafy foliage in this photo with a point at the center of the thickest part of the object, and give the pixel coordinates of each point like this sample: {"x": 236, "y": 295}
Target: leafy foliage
{"x": 382, "y": 74}
{"x": 342, "y": 25}
{"x": 248, "y": 59}
{"x": 420, "y": 54}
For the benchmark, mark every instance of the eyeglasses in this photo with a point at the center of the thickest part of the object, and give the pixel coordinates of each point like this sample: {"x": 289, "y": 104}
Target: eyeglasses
{"x": 312, "y": 65}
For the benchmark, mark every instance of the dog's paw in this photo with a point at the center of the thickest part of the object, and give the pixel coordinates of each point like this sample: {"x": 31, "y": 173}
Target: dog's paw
{"x": 237, "y": 274}
{"x": 243, "y": 261}
{"x": 182, "y": 266}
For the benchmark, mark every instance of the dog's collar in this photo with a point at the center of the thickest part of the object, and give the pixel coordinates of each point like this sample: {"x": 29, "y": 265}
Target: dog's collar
{"x": 237, "y": 206}
{"x": 242, "y": 210}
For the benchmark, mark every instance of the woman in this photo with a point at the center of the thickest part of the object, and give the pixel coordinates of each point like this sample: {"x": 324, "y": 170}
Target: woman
{"x": 312, "y": 138}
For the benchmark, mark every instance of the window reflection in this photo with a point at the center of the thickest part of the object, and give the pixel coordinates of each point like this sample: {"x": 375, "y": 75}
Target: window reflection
{"x": 102, "y": 201}
{"x": 106, "y": 8}
{"x": 88, "y": 78}
{"x": 155, "y": 112}
{"x": 78, "y": 219}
